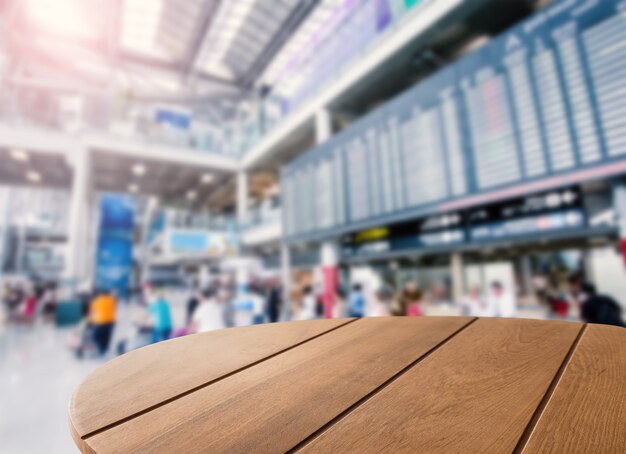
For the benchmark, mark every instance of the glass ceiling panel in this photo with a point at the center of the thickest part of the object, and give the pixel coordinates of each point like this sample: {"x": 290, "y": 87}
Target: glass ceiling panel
{"x": 281, "y": 70}
{"x": 140, "y": 24}
{"x": 226, "y": 25}
{"x": 240, "y": 33}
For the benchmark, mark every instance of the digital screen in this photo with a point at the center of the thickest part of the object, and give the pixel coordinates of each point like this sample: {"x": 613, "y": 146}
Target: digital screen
{"x": 547, "y": 98}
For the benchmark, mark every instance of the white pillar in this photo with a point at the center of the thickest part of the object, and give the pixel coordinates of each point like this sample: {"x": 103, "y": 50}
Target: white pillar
{"x": 323, "y": 125}
{"x": 4, "y": 225}
{"x": 329, "y": 253}
{"x": 527, "y": 274}
{"x": 285, "y": 274}
{"x": 456, "y": 271}
{"x": 242, "y": 197}
{"x": 79, "y": 215}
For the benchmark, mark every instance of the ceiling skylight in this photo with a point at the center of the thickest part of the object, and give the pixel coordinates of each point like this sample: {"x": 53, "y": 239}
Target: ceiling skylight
{"x": 67, "y": 18}
{"x": 140, "y": 24}
{"x": 227, "y": 24}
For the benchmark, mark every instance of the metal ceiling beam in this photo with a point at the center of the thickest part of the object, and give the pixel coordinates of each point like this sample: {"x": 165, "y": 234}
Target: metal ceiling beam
{"x": 287, "y": 29}
{"x": 207, "y": 15}
{"x": 166, "y": 66}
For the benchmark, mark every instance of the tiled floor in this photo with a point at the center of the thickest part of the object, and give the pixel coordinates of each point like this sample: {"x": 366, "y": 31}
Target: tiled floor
{"x": 38, "y": 374}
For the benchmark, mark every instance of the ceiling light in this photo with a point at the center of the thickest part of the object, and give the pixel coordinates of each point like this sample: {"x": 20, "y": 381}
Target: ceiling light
{"x": 32, "y": 176}
{"x": 19, "y": 155}
{"x": 206, "y": 178}
{"x": 191, "y": 195}
{"x": 139, "y": 169}
{"x": 133, "y": 188}
{"x": 68, "y": 18}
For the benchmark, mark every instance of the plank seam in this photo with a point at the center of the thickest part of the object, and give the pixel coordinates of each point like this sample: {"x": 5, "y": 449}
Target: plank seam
{"x": 375, "y": 391}
{"x": 210, "y": 382}
{"x": 530, "y": 427}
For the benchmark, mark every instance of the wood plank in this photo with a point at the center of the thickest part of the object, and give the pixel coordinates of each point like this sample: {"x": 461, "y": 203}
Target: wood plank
{"x": 274, "y": 405}
{"x": 587, "y": 410}
{"x": 476, "y": 393}
{"x": 145, "y": 377}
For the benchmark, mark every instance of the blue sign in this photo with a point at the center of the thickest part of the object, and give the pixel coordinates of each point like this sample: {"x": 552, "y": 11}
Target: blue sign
{"x": 189, "y": 242}
{"x": 114, "y": 256}
{"x": 172, "y": 118}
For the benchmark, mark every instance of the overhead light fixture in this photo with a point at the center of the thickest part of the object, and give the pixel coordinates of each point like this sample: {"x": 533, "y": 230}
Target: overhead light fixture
{"x": 133, "y": 188}
{"x": 207, "y": 178}
{"x": 191, "y": 195}
{"x": 20, "y": 155}
{"x": 139, "y": 169}
{"x": 32, "y": 176}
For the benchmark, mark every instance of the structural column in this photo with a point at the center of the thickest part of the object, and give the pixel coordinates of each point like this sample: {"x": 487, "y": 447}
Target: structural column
{"x": 78, "y": 255}
{"x": 329, "y": 253}
{"x": 527, "y": 274}
{"x": 4, "y": 225}
{"x": 619, "y": 203}
{"x": 323, "y": 125}
{"x": 242, "y": 197}
{"x": 285, "y": 277}
{"x": 458, "y": 277}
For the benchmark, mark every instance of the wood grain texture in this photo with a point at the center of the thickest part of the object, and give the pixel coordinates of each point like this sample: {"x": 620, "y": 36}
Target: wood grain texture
{"x": 476, "y": 393}
{"x": 275, "y": 404}
{"x": 587, "y": 410}
{"x": 146, "y": 377}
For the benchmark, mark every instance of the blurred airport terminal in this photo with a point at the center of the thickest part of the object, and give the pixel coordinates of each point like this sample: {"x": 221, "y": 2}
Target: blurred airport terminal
{"x": 171, "y": 167}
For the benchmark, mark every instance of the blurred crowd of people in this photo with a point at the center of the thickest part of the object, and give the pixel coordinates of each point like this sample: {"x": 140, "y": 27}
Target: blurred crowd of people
{"x": 581, "y": 302}
{"x": 222, "y": 305}
{"x": 24, "y": 301}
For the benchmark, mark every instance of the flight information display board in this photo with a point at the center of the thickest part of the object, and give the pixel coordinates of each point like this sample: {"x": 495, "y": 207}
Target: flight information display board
{"x": 547, "y": 98}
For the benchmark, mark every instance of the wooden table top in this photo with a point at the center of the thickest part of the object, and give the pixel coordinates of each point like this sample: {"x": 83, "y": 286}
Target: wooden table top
{"x": 427, "y": 384}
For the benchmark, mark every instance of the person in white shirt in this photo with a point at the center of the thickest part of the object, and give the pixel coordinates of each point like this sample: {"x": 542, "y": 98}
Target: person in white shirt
{"x": 307, "y": 305}
{"x": 476, "y": 305}
{"x": 208, "y": 315}
{"x": 380, "y": 304}
{"x": 502, "y": 301}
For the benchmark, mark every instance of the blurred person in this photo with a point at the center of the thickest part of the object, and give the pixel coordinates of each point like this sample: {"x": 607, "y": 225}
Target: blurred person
{"x": 192, "y": 304}
{"x": 339, "y": 309}
{"x": 410, "y": 301}
{"x": 30, "y": 307}
{"x": 502, "y": 301}
{"x": 601, "y": 309}
{"x": 439, "y": 294}
{"x": 380, "y": 306}
{"x": 247, "y": 307}
{"x": 159, "y": 310}
{"x": 225, "y": 297}
{"x": 274, "y": 300}
{"x": 47, "y": 299}
{"x": 209, "y": 315}
{"x": 558, "y": 304}
{"x": 102, "y": 319}
{"x": 356, "y": 302}
{"x": 476, "y": 305}
{"x": 308, "y": 304}
{"x": 540, "y": 286}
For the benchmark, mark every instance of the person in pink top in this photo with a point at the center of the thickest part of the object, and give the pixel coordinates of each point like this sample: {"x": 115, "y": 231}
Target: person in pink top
{"x": 411, "y": 300}
{"x": 30, "y": 307}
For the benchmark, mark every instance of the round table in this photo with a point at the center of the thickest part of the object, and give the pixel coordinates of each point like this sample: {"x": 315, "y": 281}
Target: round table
{"x": 392, "y": 384}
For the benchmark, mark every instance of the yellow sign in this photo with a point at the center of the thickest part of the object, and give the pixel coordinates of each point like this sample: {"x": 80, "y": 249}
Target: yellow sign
{"x": 371, "y": 235}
